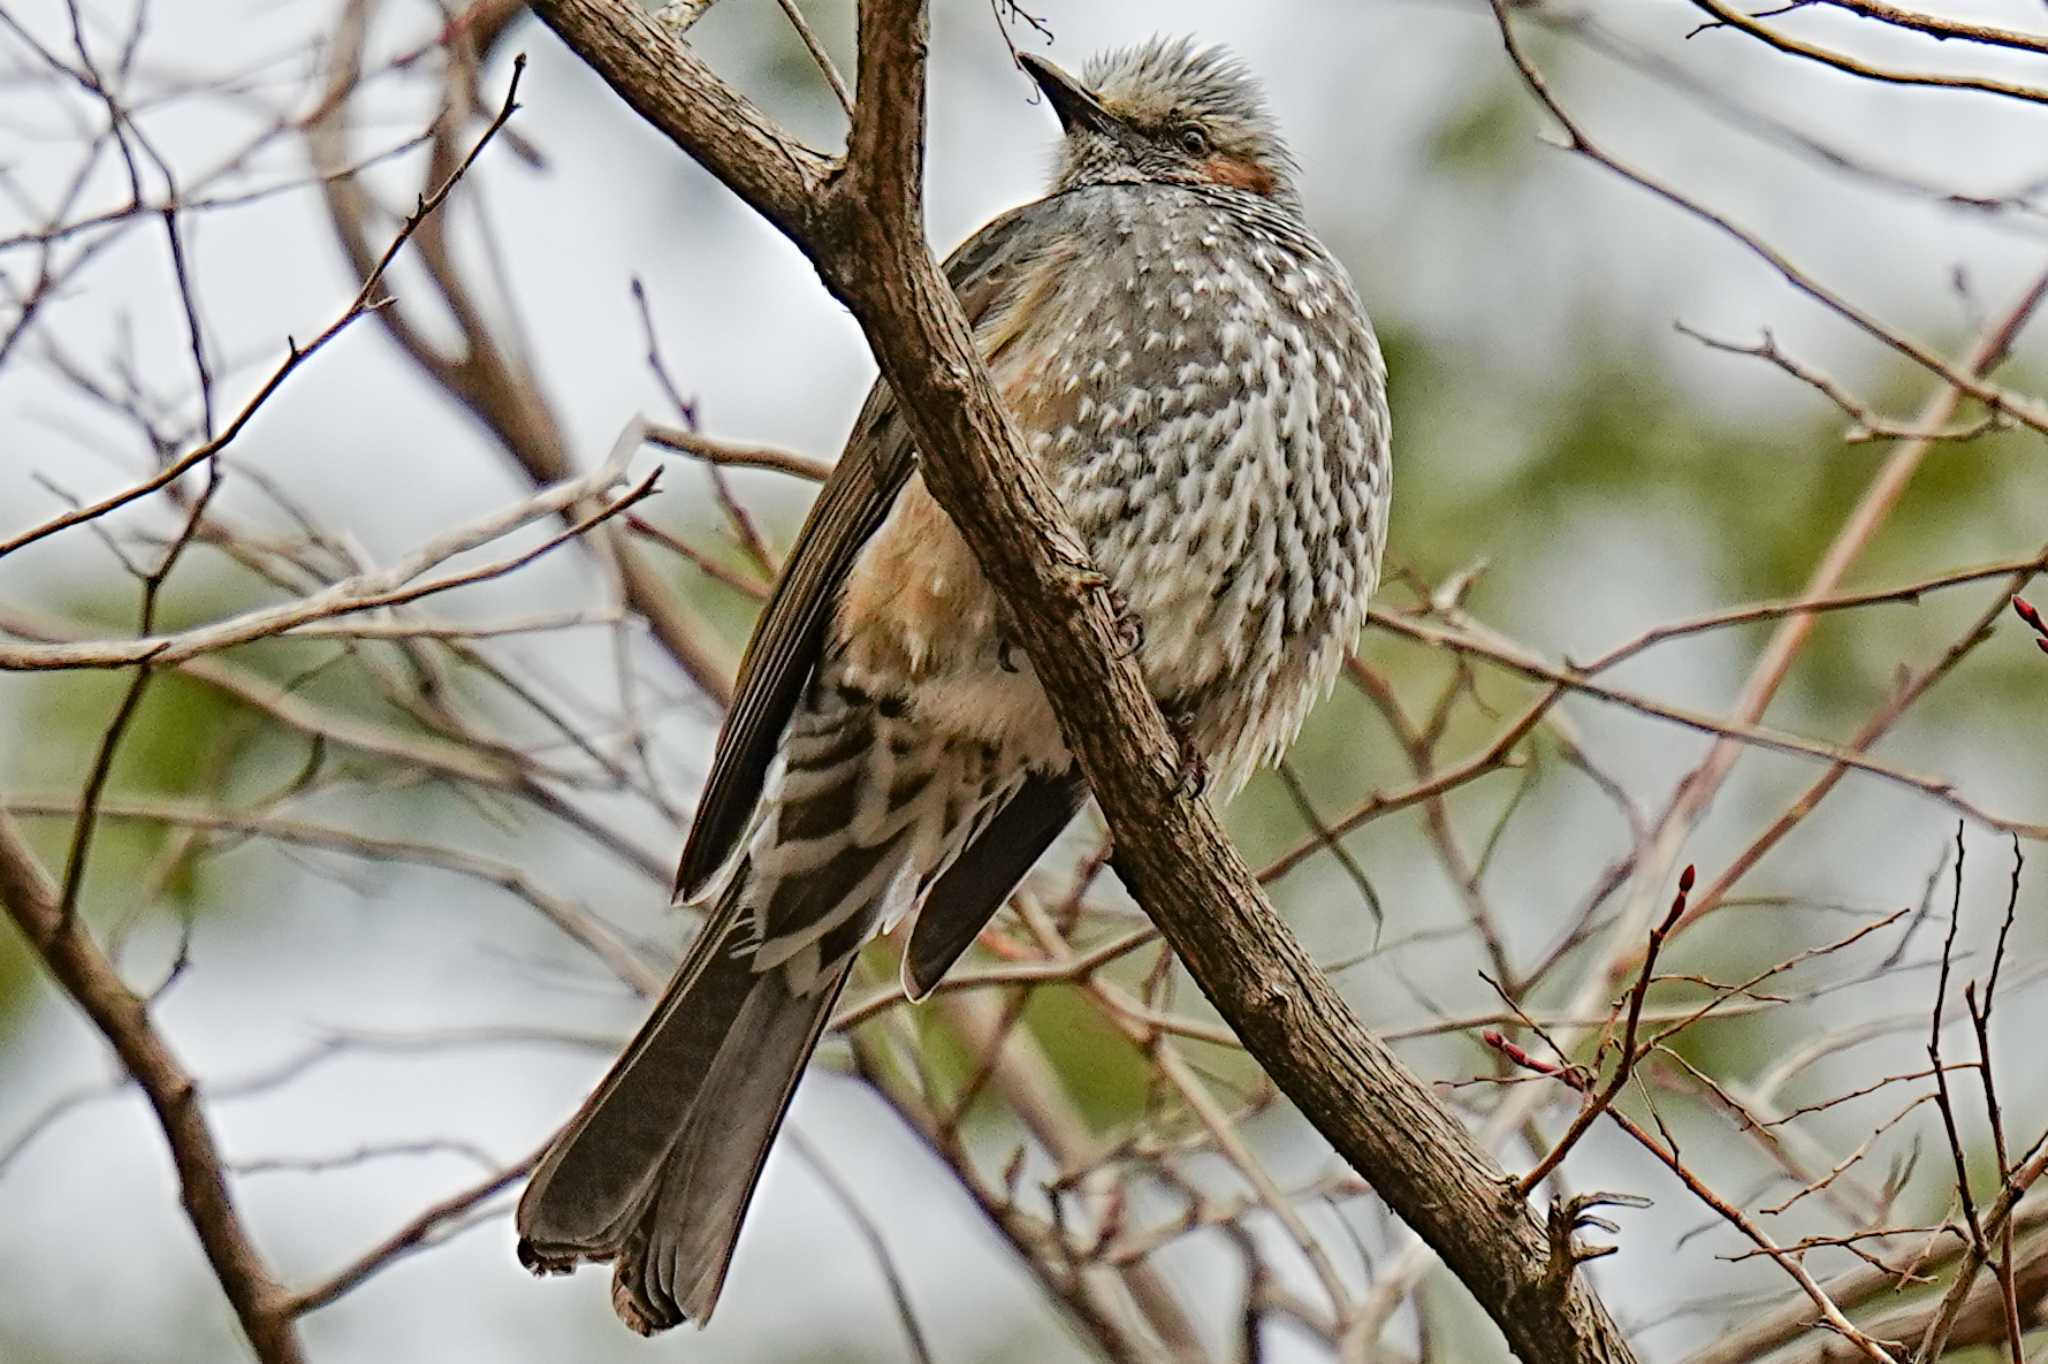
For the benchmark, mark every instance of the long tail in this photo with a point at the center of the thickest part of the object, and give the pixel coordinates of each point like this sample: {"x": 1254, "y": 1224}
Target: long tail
{"x": 657, "y": 1168}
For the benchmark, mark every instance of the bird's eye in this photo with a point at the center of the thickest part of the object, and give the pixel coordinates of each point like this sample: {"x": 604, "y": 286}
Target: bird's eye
{"x": 1193, "y": 141}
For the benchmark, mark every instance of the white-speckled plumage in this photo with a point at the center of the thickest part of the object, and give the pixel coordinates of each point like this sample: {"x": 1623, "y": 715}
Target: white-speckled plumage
{"x": 1231, "y": 478}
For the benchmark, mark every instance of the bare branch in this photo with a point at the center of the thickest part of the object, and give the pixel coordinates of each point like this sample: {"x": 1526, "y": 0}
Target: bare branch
{"x": 123, "y": 1018}
{"x": 1735, "y": 18}
{"x": 392, "y": 586}
{"x": 1940, "y": 27}
{"x": 368, "y": 300}
{"x": 1963, "y": 378}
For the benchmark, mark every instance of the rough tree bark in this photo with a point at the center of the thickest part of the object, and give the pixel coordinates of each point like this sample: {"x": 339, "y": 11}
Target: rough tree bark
{"x": 31, "y": 898}
{"x": 859, "y": 220}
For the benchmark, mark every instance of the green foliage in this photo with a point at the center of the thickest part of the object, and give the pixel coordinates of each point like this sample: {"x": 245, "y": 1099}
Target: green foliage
{"x": 182, "y": 740}
{"x": 187, "y": 740}
{"x": 1481, "y": 133}
{"x": 1106, "y": 1077}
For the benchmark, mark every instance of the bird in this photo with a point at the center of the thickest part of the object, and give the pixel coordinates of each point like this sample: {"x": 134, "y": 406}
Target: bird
{"x": 1195, "y": 373}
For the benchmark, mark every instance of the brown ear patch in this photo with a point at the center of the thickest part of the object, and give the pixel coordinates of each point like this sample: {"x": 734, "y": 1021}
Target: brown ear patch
{"x": 1239, "y": 174}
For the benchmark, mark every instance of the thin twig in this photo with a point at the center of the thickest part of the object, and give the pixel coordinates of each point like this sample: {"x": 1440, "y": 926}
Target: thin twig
{"x": 1625, "y": 1063}
{"x": 365, "y": 302}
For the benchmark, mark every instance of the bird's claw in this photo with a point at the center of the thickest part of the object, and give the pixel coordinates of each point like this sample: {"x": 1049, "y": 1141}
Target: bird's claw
{"x": 1130, "y": 631}
{"x": 1194, "y": 768}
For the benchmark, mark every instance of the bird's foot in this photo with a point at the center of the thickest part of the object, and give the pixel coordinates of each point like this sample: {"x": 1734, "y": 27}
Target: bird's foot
{"x": 1130, "y": 631}
{"x": 1194, "y": 768}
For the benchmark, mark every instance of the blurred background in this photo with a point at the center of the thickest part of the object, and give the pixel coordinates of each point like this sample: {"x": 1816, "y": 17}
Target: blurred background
{"x": 374, "y": 1033}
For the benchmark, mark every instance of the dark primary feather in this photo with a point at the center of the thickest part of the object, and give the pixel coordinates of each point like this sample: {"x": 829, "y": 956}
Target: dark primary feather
{"x": 853, "y": 502}
{"x": 786, "y": 642}
{"x": 982, "y": 877}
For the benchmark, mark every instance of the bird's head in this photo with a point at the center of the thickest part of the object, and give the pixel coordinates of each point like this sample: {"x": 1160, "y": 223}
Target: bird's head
{"x": 1165, "y": 112}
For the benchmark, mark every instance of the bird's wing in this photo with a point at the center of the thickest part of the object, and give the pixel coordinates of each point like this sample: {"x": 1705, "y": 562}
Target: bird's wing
{"x": 850, "y": 507}
{"x": 983, "y": 875}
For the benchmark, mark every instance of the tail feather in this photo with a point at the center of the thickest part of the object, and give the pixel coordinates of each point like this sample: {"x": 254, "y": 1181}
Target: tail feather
{"x": 693, "y": 1224}
{"x": 657, "y": 1168}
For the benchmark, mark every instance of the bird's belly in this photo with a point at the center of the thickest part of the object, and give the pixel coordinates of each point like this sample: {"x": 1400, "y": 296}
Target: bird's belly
{"x": 918, "y": 621}
{"x": 1006, "y": 709}
{"x": 1246, "y": 600}
{"x": 914, "y": 605}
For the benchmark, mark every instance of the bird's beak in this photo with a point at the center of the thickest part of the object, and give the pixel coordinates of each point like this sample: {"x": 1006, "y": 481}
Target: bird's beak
{"x": 1068, "y": 97}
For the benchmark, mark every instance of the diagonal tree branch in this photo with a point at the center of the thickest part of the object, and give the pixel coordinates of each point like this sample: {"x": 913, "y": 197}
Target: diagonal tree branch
{"x": 860, "y": 225}
{"x": 122, "y": 1017}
